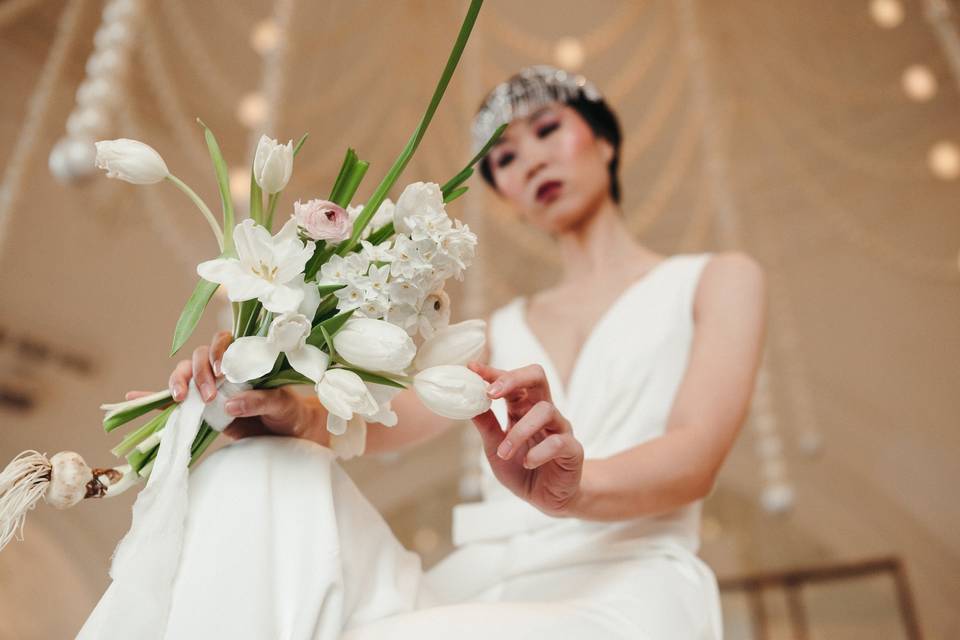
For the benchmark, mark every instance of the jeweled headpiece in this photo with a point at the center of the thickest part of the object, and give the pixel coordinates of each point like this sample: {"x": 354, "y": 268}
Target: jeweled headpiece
{"x": 522, "y": 94}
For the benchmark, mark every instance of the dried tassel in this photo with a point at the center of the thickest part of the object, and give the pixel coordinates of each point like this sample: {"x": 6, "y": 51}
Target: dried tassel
{"x": 62, "y": 481}
{"x": 22, "y": 484}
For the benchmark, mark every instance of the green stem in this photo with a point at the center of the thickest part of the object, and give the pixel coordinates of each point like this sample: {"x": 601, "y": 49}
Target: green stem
{"x": 271, "y": 207}
{"x": 204, "y": 209}
{"x": 376, "y": 199}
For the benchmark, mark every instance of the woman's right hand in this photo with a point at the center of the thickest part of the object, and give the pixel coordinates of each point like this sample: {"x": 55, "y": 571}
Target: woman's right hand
{"x": 257, "y": 412}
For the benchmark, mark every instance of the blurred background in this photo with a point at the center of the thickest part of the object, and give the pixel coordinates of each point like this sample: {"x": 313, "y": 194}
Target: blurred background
{"x": 821, "y": 137}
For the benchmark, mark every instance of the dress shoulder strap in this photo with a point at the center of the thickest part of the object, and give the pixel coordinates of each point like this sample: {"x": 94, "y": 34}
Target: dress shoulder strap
{"x": 689, "y": 272}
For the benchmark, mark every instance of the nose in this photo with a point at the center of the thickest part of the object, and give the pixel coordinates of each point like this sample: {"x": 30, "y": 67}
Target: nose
{"x": 535, "y": 167}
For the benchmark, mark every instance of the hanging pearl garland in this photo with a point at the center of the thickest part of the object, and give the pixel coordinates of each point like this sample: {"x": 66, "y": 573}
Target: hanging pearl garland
{"x": 72, "y": 158}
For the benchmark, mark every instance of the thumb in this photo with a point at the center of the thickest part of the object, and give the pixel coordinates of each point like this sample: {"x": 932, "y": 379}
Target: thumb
{"x": 490, "y": 432}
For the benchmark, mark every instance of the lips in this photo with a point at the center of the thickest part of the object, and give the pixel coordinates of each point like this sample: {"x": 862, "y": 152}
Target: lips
{"x": 548, "y": 191}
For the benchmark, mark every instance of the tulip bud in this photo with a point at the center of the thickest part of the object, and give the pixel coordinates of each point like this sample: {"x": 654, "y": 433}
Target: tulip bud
{"x": 131, "y": 160}
{"x": 273, "y": 164}
{"x": 452, "y": 391}
{"x": 375, "y": 345}
{"x": 456, "y": 344}
{"x": 343, "y": 394}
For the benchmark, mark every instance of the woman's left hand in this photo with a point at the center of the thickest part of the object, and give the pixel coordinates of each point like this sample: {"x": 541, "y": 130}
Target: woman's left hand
{"x": 538, "y": 458}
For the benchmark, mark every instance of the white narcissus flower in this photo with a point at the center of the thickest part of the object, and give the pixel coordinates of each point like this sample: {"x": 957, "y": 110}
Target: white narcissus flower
{"x": 266, "y": 267}
{"x": 375, "y": 345}
{"x": 131, "y": 161}
{"x": 343, "y": 393}
{"x": 253, "y": 356}
{"x": 383, "y": 215}
{"x": 418, "y": 200}
{"x": 452, "y": 391}
{"x": 456, "y": 344}
{"x": 273, "y": 164}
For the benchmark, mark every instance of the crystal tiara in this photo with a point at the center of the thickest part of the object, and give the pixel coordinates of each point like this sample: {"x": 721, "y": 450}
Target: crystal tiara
{"x": 529, "y": 89}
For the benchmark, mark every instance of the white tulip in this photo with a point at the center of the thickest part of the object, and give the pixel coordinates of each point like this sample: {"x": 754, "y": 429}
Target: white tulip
{"x": 131, "y": 160}
{"x": 375, "y": 345}
{"x": 452, "y": 391}
{"x": 273, "y": 164}
{"x": 456, "y": 344}
{"x": 344, "y": 394}
{"x": 417, "y": 199}
{"x": 352, "y": 442}
{"x": 253, "y": 356}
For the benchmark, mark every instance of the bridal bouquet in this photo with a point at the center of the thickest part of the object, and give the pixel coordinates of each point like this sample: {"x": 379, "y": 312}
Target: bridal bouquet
{"x": 346, "y": 298}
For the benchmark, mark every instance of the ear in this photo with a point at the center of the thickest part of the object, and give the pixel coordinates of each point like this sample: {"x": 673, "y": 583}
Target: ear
{"x": 606, "y": 149}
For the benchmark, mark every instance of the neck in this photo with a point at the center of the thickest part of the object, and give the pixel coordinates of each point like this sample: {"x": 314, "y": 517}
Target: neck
{"x": 599, "y": 244}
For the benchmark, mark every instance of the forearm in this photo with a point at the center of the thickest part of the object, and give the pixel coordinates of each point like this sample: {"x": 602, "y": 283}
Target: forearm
{"x": 655, "y": 477}
{"x": 416, "y": 424}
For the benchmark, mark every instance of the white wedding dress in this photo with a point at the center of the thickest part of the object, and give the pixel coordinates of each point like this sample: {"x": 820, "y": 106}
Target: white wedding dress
{"x": 280, "y": 544}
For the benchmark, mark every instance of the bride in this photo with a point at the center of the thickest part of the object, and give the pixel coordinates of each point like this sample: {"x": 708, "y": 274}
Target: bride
{"x": 623, "y": 388}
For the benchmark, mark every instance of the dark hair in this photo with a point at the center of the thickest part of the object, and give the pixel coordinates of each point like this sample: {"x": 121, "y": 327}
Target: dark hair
{"x": 604, "y": 124}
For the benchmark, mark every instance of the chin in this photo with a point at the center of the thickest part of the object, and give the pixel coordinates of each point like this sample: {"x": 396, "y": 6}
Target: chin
{"x": 562, "y": 214}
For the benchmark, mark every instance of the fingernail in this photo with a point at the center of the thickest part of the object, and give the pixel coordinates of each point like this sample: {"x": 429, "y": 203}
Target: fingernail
{"x": 504, "y": 449}
{"x": 208, "y": 391}
{"x": 216, "y": 368}
{"x": 177, "y": 392}
{"x": 234, "y": 406}
{"x": 495, "y": 388}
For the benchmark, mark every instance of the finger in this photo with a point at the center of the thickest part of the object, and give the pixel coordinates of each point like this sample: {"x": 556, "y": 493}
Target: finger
{"x": 179, "y": 380}
{"x": 557, "y": 446}
{"x": 221, "y": 340}
{"x": 245, "y": 428}
{"x": 531, "y": 377}
{"x": 203, "y": 375}
{"x": 133, "y": 395}
{"x": 485, "y": 371}
{"x": 491, "y": 433}
{"x": 271, "y": 404}
{"x": 539, "y": 416}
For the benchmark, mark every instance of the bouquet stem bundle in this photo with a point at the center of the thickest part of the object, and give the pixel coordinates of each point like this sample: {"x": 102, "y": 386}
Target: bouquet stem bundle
{"x": 334, "y": 299}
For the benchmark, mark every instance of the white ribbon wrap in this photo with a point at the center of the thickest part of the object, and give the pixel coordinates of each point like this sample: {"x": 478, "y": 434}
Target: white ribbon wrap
{"x": 137, "y": 602}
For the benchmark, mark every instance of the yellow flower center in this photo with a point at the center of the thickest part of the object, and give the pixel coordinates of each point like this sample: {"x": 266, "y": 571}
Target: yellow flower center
{"x": 265, "y": 271}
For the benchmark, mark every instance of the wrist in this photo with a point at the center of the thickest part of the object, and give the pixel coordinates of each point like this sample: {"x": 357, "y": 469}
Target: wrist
{"x": 314, "y": 417}
{"x": 586, "y": 495}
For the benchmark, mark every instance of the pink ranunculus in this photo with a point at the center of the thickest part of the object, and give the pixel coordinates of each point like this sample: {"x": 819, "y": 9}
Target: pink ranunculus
{"x": 323, "y": 220}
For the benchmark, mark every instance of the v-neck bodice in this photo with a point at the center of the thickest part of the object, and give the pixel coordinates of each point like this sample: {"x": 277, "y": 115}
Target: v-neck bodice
{"x": 620, "y": 391}
{"x": 562, "y": 387}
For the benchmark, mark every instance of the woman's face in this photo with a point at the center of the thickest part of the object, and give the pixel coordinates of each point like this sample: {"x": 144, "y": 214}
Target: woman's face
{"x": 551, "y": 168}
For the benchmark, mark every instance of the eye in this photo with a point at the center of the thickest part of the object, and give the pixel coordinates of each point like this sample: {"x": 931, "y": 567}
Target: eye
{"x": 547, "y": 129}
{"x": 505, "y": 159}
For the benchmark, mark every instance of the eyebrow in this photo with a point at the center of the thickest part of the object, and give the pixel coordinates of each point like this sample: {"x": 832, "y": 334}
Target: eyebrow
{"x": 533, "y": 116}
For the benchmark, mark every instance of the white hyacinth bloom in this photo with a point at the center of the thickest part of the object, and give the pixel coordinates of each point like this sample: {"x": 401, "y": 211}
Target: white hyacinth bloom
{"x": 254, "y": 356}
{"x": 131, "y": 161}
{"x": 452, "y": 391}
{"x": 343, "y": 393}
{"x": 456, "y": 344}
{"x": 272, "y": 164}
{"x": 267, "y": 268}
{"x": 375, "y": 345}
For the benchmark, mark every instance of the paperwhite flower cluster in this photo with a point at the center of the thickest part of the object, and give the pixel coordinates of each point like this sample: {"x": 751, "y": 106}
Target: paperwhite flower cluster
{"x": 401, "y": 280}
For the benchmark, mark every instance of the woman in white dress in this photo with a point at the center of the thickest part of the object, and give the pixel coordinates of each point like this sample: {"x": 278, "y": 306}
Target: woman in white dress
{"x": 623, "y": 388}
